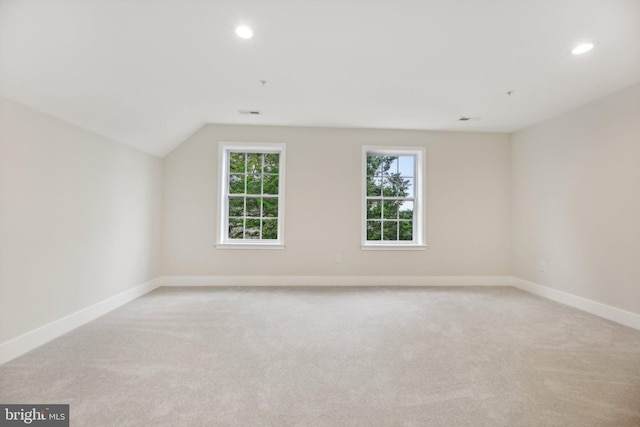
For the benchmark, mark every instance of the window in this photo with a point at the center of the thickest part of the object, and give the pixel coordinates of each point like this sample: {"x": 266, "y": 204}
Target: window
{"x": 252, "y": 195}
{"x": 392, "y": 198}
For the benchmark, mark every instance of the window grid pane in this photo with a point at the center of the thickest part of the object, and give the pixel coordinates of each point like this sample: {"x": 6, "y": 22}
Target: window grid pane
{"x": 374, "y": 230}
{"x": 251, "y": 213}
{"x": 390, "y": 197}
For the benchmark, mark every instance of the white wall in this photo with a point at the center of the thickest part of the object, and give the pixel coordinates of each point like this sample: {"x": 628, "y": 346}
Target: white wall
{"x": 467, "y": 205}
{"x": 576, "y": 201}
{"x": 80, "y": 218}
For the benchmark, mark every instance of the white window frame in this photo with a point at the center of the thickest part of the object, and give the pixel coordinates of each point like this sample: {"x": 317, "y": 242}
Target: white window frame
{"x": 418, "y": 242}
{"x": 224, "y": 150}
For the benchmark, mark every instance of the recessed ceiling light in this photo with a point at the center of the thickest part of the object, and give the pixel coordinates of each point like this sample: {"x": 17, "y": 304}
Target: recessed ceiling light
{"x": 582, "y": 48}
{"x": 244, "y": 32}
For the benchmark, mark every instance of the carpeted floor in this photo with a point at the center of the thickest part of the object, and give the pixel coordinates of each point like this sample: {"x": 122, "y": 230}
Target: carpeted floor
{"x": 337, "y": 357}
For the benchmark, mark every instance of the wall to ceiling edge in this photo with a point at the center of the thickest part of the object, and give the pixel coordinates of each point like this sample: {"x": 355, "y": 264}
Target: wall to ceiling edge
{"x": 561, "y": 196}
{"x": 81, "y": 216}
{"x": 80, "y": 220}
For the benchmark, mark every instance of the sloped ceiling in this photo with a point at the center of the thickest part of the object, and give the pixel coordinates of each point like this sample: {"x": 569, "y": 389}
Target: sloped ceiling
{"x": 148, "y": 73}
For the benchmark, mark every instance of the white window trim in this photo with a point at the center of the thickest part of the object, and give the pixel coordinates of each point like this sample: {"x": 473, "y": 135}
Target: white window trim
{"x": 418, "y": 208}
{"x": 223, "y": 241}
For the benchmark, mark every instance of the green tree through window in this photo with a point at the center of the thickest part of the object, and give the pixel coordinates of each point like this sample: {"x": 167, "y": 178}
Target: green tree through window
{"x": 390, "y": 197}
{"x": 252, "y": 195}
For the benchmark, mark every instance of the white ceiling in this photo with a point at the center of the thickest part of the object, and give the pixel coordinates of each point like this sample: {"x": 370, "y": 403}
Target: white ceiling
{"x": 148, "y": 73}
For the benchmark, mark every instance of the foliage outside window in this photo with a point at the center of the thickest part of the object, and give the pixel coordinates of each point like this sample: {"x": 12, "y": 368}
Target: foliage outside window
{"x": 392, "y": 197}
{"x": 252, "y": 194}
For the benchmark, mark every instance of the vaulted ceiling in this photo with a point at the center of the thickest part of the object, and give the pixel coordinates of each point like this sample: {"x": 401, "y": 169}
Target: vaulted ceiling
{"x": 148, "y": 73}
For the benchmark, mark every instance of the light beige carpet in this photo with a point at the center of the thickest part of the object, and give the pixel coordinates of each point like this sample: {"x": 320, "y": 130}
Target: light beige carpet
{"x": 337, "y": 357}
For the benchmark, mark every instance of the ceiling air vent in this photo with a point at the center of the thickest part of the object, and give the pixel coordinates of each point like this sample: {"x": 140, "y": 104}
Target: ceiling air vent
{"x": 250, "y": 112}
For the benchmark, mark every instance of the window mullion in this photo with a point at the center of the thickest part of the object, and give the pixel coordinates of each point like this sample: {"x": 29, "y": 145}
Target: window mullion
{"x": 405, "y": 164}
{"x": 261, "y": 191}
{"x": 248, "y": 161}
{"x": 245, "y": 177}
{"x": 227, "y": 191}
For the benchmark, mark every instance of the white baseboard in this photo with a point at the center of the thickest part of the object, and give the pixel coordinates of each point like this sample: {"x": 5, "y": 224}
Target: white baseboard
{"x": 20, "y": 345}
{"x": 608, "y": 312}
{"x": 26, "y": 342}
{"x": 602, "y": 310}
{"x": 335, "y": 281}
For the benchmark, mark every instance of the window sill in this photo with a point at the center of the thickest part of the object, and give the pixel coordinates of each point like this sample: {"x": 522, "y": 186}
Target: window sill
{"x": 260, "y": 246}
{"x": 393, "y": 247}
